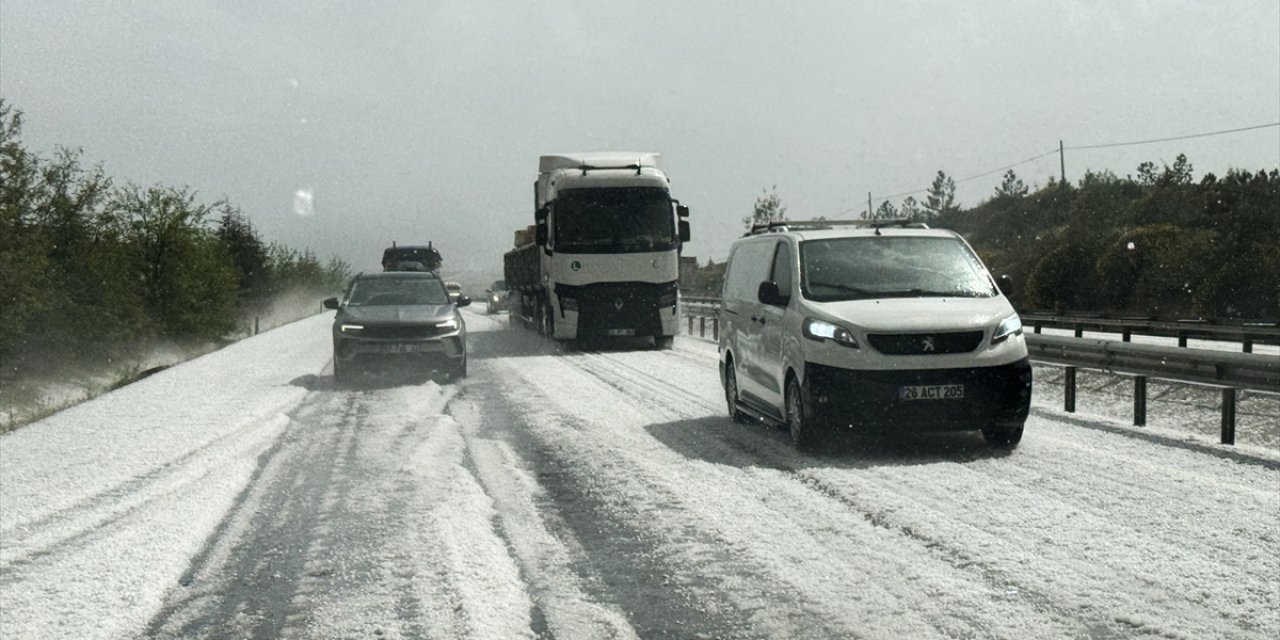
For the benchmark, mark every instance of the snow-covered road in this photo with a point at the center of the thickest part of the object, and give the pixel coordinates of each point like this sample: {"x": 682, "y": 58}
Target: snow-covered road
{"x": 602, "y": 495}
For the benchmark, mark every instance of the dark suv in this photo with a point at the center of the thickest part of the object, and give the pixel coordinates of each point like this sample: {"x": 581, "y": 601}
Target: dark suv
{"x": 399, "y": 316}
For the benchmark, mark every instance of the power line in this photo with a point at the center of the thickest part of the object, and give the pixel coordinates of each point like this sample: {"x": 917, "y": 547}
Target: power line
{"x": 1074, "y": 148}
{"x": 1187, "y": 137}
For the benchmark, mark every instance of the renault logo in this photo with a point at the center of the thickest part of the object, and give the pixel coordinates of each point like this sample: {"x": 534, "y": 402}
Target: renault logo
{"x": 926, "y": 344}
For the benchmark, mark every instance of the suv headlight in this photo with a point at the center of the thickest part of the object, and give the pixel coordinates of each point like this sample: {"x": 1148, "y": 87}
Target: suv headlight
{"x": 353, "y": 329}
{"x": 448, "y": 325}
{"x": 821, "y": 330}
{"x": 1011, "y": 326}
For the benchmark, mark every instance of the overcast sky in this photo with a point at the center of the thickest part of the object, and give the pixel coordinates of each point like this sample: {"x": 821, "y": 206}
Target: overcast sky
{"x": 419, "y": 121}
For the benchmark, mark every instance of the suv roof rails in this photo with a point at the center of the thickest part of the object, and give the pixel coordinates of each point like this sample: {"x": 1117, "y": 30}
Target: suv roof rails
{"x": 782, "y": 226}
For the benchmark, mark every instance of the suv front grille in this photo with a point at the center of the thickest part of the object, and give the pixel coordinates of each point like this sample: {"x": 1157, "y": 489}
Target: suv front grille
{"x": 400, "y": 331}
{"x": 923, "y": 344}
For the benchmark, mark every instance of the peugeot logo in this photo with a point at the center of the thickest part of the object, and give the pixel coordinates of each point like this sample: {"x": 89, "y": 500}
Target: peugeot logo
{"x": 617, "y": 304}
{"x": 926, "y": 344}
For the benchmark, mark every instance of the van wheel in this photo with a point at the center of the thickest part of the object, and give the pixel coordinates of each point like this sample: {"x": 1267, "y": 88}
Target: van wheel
{"x": 1003, "y": 438}
{"x": 731, "y": 394}
{"x": 804, "y": 433}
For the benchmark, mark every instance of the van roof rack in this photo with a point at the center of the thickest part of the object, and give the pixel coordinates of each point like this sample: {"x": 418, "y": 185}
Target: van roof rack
{"x": 781, "y": 226}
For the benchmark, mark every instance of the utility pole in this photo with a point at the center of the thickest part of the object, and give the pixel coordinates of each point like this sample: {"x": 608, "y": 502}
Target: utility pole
{"x": 870, "y": 214}
{"x": 1062, "y": 162}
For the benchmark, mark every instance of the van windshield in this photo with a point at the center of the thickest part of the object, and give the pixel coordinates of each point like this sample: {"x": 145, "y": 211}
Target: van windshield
{"x": 620, "y": 220}
{"x": 891, "y": 267}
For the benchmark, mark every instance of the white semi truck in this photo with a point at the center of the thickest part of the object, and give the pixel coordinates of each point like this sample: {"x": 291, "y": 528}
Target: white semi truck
{"x": 602, "y": 258}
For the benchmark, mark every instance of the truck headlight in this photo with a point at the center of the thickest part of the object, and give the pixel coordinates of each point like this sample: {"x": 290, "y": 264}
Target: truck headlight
{"x": 1011, "y": 326}
{"x": 820, "y": 330}
{"x": 353, "y": 329}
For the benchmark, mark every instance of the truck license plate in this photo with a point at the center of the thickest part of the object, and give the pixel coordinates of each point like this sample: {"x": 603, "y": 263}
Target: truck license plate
{"x": 931, "y": 392}
{"x": 622, "y": 332}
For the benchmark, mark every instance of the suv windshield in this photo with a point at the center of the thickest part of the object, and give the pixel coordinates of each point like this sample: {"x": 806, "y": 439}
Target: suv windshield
{"x": 396, "y": 291}
{"x": 889, "y": 266}
{"x": 623, "y": 220}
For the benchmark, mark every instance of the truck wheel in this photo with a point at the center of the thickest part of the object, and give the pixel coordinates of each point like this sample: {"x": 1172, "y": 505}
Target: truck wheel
{"x": 539, "y": 318}
{"x": 664, "y": 342}
{"x": 805, "y": 434}
{"x": 548, "y": 322}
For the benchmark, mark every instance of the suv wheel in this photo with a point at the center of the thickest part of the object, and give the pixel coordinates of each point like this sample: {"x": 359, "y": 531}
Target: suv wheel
{"x": 804, "y": 433}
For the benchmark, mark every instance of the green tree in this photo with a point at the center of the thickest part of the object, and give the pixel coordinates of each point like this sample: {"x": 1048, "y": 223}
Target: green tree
{"x": 886, "y": 211}
{"x": 768, "y": 208}
{"x": 911, "y": 210}
{"x": 1011, "y": 186}
{"x": 941, "y": 197}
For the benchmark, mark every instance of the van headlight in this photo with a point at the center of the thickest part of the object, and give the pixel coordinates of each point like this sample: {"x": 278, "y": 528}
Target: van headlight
{"x": 820, "y": 330}
{"x": 1011, "y": 326}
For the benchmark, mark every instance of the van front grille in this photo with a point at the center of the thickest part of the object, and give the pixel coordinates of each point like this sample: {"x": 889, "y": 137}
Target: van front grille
{"x": 923, "y": 344}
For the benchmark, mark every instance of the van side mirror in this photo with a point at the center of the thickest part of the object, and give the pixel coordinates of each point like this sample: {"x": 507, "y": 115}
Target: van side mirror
{"x": 769, "y": 294}
{"x": 684, "y": 231}
{"x": 1006, "y": 284}
{"x": 331, "y": 303}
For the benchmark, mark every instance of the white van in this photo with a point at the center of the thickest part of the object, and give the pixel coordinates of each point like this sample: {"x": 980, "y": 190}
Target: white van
{"x": 865, "y": 326}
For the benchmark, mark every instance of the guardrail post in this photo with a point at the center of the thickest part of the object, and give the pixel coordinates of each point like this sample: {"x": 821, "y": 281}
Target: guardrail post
{"x": 1079, "y": 331}
{"x": 702, "y": 327}
{"x": 1229, "y": 416}
{"x": 1139, "y": 401}
{"x": 690, "y": 325}
{"x": 1248, "y": 345}
{"x": 715, "y": 329}
{"x": 1126, "y": 335}
{"x": 1182, "y": 338}
{"x": 1037, "y": 326}
{"x": 1069, "y": 391}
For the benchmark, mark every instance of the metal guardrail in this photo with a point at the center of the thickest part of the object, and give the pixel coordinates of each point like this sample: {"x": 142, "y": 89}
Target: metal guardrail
{"x": 1247, "y": 333}
{"x": 1230, "y": 371}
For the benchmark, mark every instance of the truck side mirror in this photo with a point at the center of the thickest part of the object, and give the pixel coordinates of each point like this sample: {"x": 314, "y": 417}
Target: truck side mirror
{"x": 540, "y": 234}
{"x": 682, "y": 211}
{"x": 684, "y": 231}
{"x": 768, "y": 293}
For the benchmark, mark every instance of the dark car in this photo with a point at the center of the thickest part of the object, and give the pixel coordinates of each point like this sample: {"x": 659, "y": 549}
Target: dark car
{"x": 405, "y": 317}
{"x": 411, "y": 258}
{"x": 496, "y": 296}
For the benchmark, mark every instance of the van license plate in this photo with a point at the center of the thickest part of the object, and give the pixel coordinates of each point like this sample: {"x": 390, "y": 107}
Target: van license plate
{"x": 622, "y": 332}
{"x": 932, "y": 392}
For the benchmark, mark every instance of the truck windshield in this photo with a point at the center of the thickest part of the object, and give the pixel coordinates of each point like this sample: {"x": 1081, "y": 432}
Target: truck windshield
{"x": 891, "y": 267}
{"x": 619, "y": 220}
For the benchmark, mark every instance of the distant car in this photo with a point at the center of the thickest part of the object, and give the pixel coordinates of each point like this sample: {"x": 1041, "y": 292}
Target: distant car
{"x": 496, "y": 296}
{"x": 454, "y": 289}
{"x": 401, "y": 316}
{"x": 411, "y": 258}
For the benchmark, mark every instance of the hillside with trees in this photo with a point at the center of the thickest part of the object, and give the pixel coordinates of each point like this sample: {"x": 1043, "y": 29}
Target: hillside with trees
{"x": 92, "y": 272}
{"x": 1158, "y": 243}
